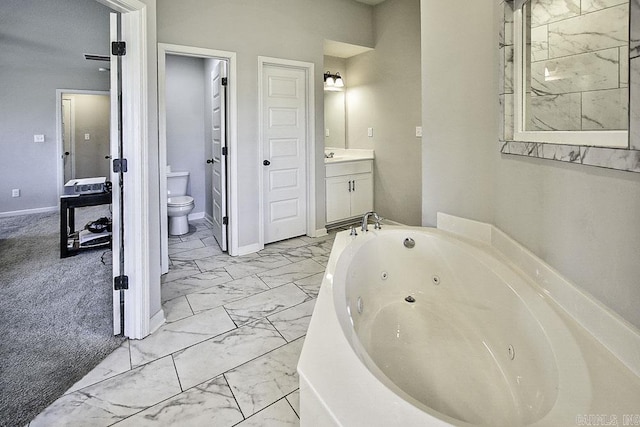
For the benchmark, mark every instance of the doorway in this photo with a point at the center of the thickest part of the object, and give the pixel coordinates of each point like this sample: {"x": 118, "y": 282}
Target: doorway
{"x": 84, "y": 133}
{"x": 216, "y": 160}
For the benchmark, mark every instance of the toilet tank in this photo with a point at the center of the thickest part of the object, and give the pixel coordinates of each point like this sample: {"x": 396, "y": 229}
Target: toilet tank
{"x": 177, "y": 183}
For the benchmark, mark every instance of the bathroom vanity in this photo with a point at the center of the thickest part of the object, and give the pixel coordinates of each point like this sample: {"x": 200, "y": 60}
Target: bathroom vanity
{"x": 349, "y": 183}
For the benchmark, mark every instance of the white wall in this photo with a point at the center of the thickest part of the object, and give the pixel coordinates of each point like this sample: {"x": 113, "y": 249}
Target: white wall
{"x": 289, "y": 29}
{"x": 185, "y": 106}
{"x": 91, "y": 116}
{"x": 582, "y": 220}
{"x": 383, "y": 92}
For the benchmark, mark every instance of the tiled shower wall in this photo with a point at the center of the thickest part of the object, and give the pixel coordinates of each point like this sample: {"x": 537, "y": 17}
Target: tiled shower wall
{"x": 620, "y": 159}
{"x": 567, "y": 38}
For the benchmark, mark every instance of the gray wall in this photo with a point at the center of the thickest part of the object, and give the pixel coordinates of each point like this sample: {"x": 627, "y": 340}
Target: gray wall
{"x": 40, "y": 53}
{"x": 92, "y": 117}
{"x": 185, "y": 98}
{"x": 582, "y": 220}
{"x": 289, "y": 29}
{"x": 384, "y": 93}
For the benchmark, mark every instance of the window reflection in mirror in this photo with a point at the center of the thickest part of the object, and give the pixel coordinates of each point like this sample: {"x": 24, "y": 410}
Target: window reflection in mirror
{"x": 575, "y": 65}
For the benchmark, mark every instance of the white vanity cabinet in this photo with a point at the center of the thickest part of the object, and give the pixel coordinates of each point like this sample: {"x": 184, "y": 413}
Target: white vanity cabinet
{"x": 349, "y": 189}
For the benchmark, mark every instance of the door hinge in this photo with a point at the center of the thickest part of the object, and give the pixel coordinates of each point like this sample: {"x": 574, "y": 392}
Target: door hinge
{"x": 121, "y": 283}
{"x": 225, "y": 81}
{"x": 118, "y": 48}
{"x": 225, "y": 220}
{"x": 119, "y": 165}
{"x": 225, "y": 151}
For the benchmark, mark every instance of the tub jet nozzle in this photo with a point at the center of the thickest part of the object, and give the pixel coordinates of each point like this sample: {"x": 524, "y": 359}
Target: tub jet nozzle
{"x": 410, "y": 299}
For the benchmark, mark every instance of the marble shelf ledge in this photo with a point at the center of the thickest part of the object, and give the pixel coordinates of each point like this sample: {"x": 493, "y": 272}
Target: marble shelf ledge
{"x": 610, "y": 158}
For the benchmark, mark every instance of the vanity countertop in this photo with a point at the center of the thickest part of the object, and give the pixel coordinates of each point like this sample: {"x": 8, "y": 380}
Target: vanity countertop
{"x": 347, "y": 155}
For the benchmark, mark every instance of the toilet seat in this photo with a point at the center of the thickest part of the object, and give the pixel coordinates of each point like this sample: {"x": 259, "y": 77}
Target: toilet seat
{"x": 179, "y": 201}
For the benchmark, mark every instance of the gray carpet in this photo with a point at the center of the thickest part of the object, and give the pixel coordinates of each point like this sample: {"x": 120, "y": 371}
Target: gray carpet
{"x": 55, "y": 314}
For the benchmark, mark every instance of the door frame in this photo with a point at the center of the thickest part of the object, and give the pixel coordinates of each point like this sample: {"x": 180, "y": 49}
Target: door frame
{"x": 309, "y": 69}
{"x": 60, "y": 142}
{"x": 135, "y": 107}
{"x": 165, "y": 49}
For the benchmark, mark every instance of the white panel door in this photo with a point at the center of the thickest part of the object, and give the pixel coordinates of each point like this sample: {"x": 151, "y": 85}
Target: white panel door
{"x": 219, "y": 160}
{"x": 284, "y": 164}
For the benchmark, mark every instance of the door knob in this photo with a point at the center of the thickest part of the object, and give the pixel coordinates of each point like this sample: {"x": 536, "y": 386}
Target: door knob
{"x": 66, "y": 153}
{"x": 209, "y": 160}
{"x": 266, "y": 163}
{"x": 107, "y": 157}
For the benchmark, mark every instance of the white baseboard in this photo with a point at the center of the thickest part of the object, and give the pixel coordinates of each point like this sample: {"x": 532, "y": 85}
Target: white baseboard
{"x": 156, "y": 321}
{"x": 319, "y": 233}
{"x": 30, "y": 211}
{"x": 249, "y": 249}
{"x": 195, "y": 215}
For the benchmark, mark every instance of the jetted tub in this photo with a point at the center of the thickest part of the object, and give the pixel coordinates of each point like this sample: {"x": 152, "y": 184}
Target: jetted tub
{"x": 414, "y": 326}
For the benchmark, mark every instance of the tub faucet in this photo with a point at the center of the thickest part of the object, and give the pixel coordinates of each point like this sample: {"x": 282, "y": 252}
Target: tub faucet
{"x": 329, "y": 155}
{"x": 365, "y": 221}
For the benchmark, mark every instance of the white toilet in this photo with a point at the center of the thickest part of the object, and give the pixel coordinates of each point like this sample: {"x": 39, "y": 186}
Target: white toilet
{"x": 179, "y": 205}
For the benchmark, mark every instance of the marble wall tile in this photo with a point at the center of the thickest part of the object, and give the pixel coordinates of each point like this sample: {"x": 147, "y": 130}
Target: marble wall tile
{"x": 624, "y": 66}
{"x": 217, "y": 355}
{"x": 591, "y": 32}
{"x": 293, "y": 322}
{"x": 210, "y": 403}
{"x": 605, "y": 109}
{"x": 267, "y": 379}
{"x": 554, "y": 112}
{"x": 279, "y": 414}
{"x": 593, "y": 5}
{"x": 634, "y": 31}
{"x": 114, "y": 399}
{"x": 634, "y": 102}
{"x": 265, "y": 304}
{"x": 508, "y": 69}
{"x": 195, "y": 283}
{"x": 546, "y": 11}
{"x": 539, "y": 43}
{"x": 172, "y": 337}
{"x": 508, "y": 117}
{"x": 291, "y": 272}
{"x": 226, "y": 292}
{"x": 565, "y": 75}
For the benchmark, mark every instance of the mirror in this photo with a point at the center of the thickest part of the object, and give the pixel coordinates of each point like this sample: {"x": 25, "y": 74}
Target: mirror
{"x": 334, "y": 119}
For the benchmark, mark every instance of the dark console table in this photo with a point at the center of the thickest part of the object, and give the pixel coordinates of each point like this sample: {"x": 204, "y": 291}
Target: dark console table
{"x": 68, "y": 219}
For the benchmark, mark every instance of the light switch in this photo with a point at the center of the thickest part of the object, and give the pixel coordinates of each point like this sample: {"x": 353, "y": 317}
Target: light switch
{"x": 418, "y": 131}
{"x": 369, "y": 132}
{"x": 38, "y": 138}
{"x": 326, "y": 132}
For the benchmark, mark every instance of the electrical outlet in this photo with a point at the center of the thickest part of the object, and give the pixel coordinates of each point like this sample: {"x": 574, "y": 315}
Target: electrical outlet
{"x": 15, "y": 192}
{"x": 38, "y": 138}
{"x": 326, "y": 132}
{"x": 370, "y": 132}
{"x": 87, "y": 137}
{"x": 418, "y": 131}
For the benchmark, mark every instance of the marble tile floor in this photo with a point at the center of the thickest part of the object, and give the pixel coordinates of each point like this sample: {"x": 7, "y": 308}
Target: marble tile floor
{"x": 226, "y": 355}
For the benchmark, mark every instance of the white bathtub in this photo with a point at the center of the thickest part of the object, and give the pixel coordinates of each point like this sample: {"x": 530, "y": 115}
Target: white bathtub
{"x": 445, "y": 333}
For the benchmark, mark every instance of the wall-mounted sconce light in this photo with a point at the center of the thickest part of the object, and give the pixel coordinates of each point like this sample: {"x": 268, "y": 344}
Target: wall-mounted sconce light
{"x": 333, "y": 81}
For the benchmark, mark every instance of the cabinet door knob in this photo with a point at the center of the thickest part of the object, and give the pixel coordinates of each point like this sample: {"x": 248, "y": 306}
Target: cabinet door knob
{"x": 266, "y": 162}
{"x": 349, "y": 186}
